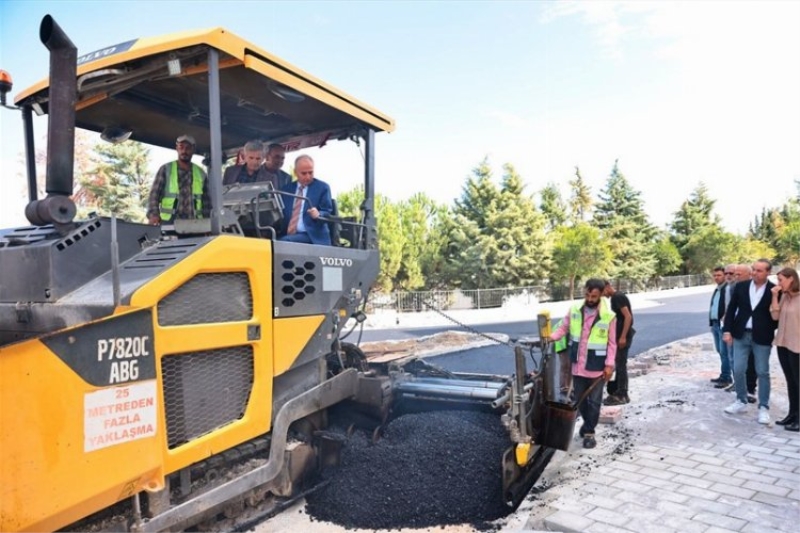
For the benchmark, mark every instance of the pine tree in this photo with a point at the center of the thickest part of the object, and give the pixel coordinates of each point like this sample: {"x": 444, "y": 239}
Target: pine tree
{"x": 624, "y": 224}
{"x": 478, "y": 195}
{"x": 552, "y": 206}
{"x": 119, "y": 183}
{"x": 517, "y": 249}
{"x": 694, "y": 226}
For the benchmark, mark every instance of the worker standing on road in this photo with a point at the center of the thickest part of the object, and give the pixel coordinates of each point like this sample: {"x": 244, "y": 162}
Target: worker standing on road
{"x": 592, "y": 331}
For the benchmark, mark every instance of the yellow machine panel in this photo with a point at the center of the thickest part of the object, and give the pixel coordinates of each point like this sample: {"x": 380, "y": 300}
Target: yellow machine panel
{"x": 128, "y": 426}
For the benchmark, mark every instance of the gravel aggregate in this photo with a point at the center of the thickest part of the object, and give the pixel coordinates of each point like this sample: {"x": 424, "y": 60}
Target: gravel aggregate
{"x": 428, "y": 469}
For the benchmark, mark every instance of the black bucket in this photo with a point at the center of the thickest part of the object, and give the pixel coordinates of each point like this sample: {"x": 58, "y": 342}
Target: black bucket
{"x": 559, "y": 425}
{"x": 559, "y": 421}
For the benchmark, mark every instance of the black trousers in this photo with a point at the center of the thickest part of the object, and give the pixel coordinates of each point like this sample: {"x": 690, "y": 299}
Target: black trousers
{"x": 790, "y": 364}
{"x": 619, "y": 385}
{"x": 590, "y": 406}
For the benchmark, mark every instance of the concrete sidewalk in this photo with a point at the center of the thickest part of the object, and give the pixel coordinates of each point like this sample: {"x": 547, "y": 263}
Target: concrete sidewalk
{"x": 675, "y": 462}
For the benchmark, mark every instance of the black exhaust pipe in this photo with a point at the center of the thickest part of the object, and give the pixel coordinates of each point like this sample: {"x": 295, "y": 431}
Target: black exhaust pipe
{"x": 58, "y": 208}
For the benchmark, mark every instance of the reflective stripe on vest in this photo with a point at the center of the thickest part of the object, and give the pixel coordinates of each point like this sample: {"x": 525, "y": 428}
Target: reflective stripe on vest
{"x": 597, "y": 343}
{"x": 561, "y": 344}
{"x": 171, "y": 190}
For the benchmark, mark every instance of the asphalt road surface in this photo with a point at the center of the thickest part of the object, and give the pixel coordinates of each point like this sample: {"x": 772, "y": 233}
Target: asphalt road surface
{"x": 677, "y": 317}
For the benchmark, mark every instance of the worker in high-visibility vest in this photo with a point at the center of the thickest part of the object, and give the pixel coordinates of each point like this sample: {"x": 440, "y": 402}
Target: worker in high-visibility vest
{"x": 180, "y": 189}
{"x": 591, "y": 326}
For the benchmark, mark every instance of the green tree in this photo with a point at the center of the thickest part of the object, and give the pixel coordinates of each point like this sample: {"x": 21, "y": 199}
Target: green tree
{"x": 422, "y": 247}
{"x": 579, "y": 253}
{"x": 391, "y": 237}
{"x": 621, "y": 218}
{"x": 464, "y": 257}
{"x": 516, "y": 238}
{"x": 119, "y": 183}
{"x": 668, "y": 259}
{"x": 580, "y": 199}
{"x": 552, "y": 206}
{"x": 747, "y": 250}
{"x": 478, "y": 195}
{"x": 496, "y": 237}
{"x": 708, "y": 247}
{"x": 695, "y": 215}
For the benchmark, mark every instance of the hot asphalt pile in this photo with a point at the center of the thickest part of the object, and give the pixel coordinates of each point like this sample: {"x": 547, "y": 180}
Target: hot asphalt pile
{"x": 428, "y": 469}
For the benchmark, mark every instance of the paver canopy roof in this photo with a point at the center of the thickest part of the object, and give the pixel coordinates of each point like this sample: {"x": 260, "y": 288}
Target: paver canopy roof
{"x": 158, "y": 88}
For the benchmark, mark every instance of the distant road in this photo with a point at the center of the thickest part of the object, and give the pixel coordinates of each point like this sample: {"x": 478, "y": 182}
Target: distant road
{"x": 677, "y": 317}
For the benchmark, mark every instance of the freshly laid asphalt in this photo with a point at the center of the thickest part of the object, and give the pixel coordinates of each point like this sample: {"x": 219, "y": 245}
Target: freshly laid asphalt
{"x": 672, "y": 461}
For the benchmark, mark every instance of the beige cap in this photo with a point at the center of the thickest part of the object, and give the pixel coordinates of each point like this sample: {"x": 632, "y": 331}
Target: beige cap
{"x": 186, "y": 139}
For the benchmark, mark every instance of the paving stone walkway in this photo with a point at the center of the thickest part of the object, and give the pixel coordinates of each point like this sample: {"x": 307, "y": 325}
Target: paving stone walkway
{"x": 674, "y": 461}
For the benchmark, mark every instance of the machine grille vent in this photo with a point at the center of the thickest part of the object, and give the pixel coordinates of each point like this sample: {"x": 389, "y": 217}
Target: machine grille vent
{"x": 207, "y": 299}
{"x": 298, "y": 281}
{"x": 75, "y": 236}
{"x": 205, "y": 390}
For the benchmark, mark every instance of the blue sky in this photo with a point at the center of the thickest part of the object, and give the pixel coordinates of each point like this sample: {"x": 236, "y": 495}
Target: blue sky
{"x": 679, "y": 92}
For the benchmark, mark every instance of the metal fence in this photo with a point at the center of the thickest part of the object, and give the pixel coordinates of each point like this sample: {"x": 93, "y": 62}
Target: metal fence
{"x": 462, "y": 299}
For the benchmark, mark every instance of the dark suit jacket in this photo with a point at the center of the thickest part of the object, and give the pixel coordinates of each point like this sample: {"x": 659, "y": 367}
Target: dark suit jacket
{"x": 235, "y": 172}
{"x": 740, "y": 310}
{"x": 318, "y": 195}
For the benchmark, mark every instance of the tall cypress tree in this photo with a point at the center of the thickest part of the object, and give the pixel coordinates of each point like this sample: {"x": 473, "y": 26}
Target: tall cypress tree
{"x": 580, "y": 198}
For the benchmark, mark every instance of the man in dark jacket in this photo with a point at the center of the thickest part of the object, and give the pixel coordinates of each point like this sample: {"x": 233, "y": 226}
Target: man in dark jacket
{"x": 749, "y": 327}
{"x": 715, "y": 313}
{"x": 251, "y": 171}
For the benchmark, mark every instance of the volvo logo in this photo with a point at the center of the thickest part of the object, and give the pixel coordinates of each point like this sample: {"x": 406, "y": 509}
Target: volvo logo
{"x": 336, "y": 261}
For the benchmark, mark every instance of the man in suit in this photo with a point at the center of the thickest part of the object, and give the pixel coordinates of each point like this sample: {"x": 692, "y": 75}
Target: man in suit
{"x": 715, "y": 313}
{"x": 749, "y": 328}
{"x": 301, "y": 219}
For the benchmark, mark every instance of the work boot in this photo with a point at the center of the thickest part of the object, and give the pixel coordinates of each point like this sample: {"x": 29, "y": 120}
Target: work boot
{"x": 615, "y": 399}
{"x": 723, "y": 385}
{"x": 788, "y": 419}
{"x": 589, "y": 442}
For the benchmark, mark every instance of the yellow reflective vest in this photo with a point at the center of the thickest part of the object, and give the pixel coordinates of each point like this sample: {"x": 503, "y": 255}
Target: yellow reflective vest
{"x": 172, "y": 189}
{"x": 597, "y": 345}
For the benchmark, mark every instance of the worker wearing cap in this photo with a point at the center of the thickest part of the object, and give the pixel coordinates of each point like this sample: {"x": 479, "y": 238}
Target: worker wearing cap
{"x": 180, "y": 189}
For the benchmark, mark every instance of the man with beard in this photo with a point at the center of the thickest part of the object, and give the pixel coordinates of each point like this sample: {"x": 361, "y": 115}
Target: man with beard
{"x": 592, "y": 331}
{"x": 180, "y": 188}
